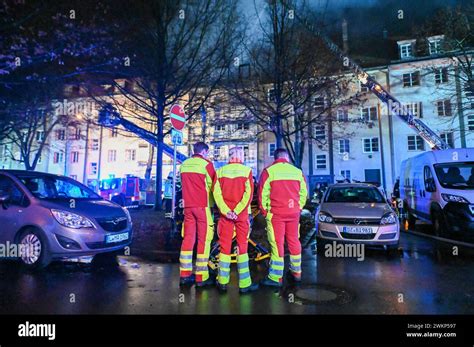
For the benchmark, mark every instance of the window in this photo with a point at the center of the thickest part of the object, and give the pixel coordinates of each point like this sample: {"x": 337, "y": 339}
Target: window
{"x": 76, "y": 135}
{"x": 448, "y": 138}
{"x": 58, "y": 157}
{"x": 74, "y": 157}
{"x": 60, "y": 134}
{"x": 219, "y": 127}
{"x": 217, "y": 152}
{"x": 40, "y": 136}
{"x": 318, "y": 102}
{"x": 111, "y": 155}
{"x": 95, "y": 144}
{"x": 344, "y": 146}
{"x": 429, "y": 181}
{"x": 271, "y": 149}
{"x": 406, "y": 50}
{"x": 444, "y": 107}
{"x": 470, "y": 122}
{"x": 371, "y": 145}
{"x": 415, "y": 108}
{"x": 435, "y": 46}
{"x": 93, "y": 170}
{"x": 346, "y": 174}
{"x": 411, "y": 79}
{"x": 320, "y": 133}
{"x": 113, "y": 132}
{"x": 363, "y": 88}
{"x": 369, "y": 113}
{"x": 243, "y": 126}
{"x": 441, "y": 75}
{"x": 8, "y": 187}
{"x": 416, "y": 143}
{"x": 130, "y": 154}
{"x": 321, "y": 161}
{"x": 246, "y": 152}
{"x": 342, "y": 116}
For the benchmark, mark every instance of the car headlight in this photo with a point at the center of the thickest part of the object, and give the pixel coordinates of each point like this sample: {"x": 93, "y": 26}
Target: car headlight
{"x": 389, "y": 218}
{"x": 71, "y": 220}
{"x": 325, "y": 217}
{"x": 127, "y": 213}
{"x": 453, "y": 198}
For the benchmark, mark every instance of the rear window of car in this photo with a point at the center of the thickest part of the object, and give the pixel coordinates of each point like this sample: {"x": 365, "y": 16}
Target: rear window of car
{"x": 354, "y": 194}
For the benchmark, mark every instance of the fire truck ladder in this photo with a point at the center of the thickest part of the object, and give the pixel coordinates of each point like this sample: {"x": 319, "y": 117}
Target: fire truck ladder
{"x": 110, "y": 118}
{"x": 433, "y": 139}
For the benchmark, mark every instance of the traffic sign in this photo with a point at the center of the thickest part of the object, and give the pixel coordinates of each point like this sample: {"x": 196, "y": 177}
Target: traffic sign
{"x": 176, "y": 137}
{"x": 177, "y": 116}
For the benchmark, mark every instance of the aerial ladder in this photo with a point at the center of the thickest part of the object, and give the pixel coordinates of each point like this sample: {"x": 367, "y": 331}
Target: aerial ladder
{"x": 110, "y": 117}
{"x": 433, "y": 139}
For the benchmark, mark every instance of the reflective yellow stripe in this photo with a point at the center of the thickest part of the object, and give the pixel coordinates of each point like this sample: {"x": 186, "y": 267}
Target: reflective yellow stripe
{"x": 303, "y": 191}
{"x": 194, "y": 165}
{"x": 266, "y": 193}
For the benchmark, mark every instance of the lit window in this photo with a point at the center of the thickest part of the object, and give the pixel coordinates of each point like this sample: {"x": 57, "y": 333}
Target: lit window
{"x": 416, "y": 143}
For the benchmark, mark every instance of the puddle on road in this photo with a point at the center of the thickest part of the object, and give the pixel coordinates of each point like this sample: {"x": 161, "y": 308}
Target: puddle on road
{"x": 317, "y": 294}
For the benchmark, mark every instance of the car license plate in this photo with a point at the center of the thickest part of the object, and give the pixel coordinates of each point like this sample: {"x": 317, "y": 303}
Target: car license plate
{"x": 116, "y": 238}
{"x": 357, "y": 230}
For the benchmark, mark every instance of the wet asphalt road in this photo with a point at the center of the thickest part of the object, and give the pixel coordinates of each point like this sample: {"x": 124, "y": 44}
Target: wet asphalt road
{"x": 423, "y": 278}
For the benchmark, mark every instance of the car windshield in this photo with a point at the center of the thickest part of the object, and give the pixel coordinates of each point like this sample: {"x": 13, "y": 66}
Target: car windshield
{"x": 456, "y": 175}
{"x": 355, "y": 194}
{"x": 56, "y": 187}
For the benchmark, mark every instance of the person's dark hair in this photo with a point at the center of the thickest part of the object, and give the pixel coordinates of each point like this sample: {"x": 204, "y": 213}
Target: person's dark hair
{"x": 280, "y": 153}
{"x": 198, "y": 147}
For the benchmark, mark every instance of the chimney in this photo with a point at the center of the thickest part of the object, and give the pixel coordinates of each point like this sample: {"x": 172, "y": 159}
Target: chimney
{"x": 345, "y": 40}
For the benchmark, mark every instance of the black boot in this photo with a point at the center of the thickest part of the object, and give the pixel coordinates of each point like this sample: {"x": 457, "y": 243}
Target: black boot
{"x": 209, "y": 282}
{"x": 253, "y": 287}
{"x": 222, "y": 288}
{"x": 187, "y": 281}
{"x": 270, "y": 283}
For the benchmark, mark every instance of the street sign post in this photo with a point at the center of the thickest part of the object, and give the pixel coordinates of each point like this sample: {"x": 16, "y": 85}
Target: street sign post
{"x": 178, "y": 121}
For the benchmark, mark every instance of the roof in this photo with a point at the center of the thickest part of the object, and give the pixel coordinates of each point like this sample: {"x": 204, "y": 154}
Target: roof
{"x": 27, "y": 173}
{"x": 354, "y": 184}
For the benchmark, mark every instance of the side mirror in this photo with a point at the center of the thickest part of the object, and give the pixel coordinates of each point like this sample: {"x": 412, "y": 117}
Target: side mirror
{"x": 5, "y": 198}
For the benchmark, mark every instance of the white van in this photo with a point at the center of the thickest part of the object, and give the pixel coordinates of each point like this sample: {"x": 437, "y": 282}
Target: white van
{"x": 438, "y": 187}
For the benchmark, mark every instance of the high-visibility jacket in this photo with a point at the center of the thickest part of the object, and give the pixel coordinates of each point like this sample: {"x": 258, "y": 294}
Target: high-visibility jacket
{"x": 282, "y": 189}
{"x": 197, "y": 176}
{"x": 233, "y": 188}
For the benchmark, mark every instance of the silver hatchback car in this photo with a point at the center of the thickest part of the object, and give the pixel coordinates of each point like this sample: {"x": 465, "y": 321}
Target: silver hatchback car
{"x": 44, "y": 217}
{"x": 357, "y": 213}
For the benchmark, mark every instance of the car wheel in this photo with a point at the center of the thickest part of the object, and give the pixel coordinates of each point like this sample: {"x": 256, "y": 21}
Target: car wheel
{"x": 108, "y": 259}
{"x": 440, "y": 226}
{"x": 35, "y": 253}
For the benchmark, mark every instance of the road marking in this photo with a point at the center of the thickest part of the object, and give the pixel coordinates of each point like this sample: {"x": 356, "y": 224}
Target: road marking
{"x": 460, "y": 243}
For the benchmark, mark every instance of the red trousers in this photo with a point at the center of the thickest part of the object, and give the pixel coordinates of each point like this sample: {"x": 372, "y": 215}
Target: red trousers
{"x": 198, "y": 224}
{"x": 225, "y": 231}
{"x": 284, "y": 227}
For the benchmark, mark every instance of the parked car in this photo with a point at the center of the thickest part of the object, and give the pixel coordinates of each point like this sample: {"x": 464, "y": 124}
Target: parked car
{"x": 57, "y": 217}
{"x": 356, "y": 213}
{"x": 438, "y": 187}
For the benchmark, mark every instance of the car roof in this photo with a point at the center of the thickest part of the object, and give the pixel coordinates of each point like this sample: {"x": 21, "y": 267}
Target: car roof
{"x": 25, "y": 173}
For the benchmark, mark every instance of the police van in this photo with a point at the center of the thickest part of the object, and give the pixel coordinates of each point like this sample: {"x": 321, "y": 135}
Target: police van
{"x": 438, "y": 187}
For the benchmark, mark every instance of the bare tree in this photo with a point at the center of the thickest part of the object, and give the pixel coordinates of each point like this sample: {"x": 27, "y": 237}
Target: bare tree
{"x": 289, "y": 89}
{"x": 172, "y": 51}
